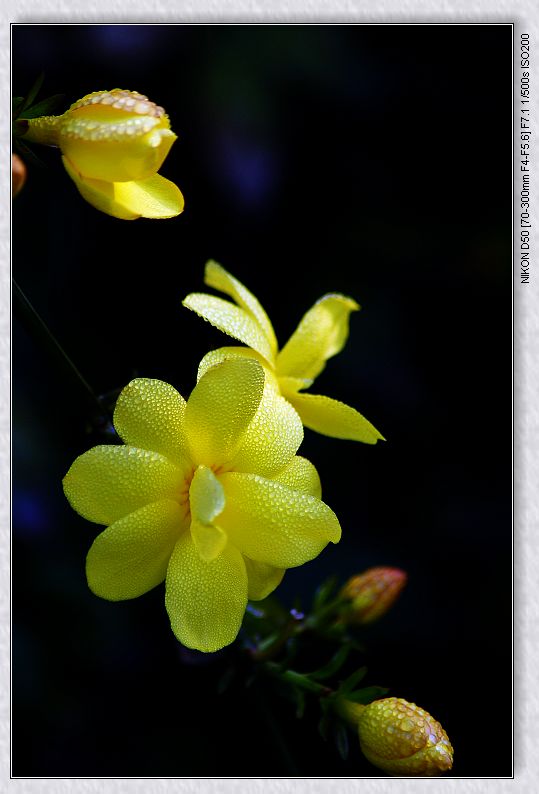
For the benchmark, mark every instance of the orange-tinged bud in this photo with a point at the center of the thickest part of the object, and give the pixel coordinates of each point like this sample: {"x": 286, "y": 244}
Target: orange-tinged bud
{"x": 18, "y": 174}
{"x": 403, "y": 739}
{"x": 372, "y": 593}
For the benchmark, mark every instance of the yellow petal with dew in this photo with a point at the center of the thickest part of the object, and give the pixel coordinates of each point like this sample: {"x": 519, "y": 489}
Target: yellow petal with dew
{"x": 207, "y": 499}
{"x": 205, "y": 601}
{"x": 275, "y": 524}
{"x": 223, "y": 353}
{"x": 209, "y": 540}
{"x": 262, "y": 578}
{"x": 221, "y": 408}
{"x": 217, "y": 277}
{"x": 99, "y": 194}
{"x": 131, "y": 557}
{"x": 301, "y": 475}
{"x": 154, "y": 197}
{"x": 109, "y": 482}
{"x": 149, "y": 414}
{"x": 289, "y": 385}
{"x": 230, "y": 319}
{"x": 334, "y": 418}
{"x": 321, "y": 333}
{"x": 273, "y": 437}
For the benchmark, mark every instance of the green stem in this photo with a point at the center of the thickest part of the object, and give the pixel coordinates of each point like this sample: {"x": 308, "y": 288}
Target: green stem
{"x": 39, "y": 329}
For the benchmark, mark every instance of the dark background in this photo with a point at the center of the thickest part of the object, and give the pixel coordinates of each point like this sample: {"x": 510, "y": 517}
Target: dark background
{"x": 370, "y": 160}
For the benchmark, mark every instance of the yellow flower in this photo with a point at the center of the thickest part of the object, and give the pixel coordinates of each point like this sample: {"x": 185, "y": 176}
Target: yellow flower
{"x": 113, "y": 143}
{"x": 402, "y": 739}
{"x": 207, "y": 494}
{"x": 321, "y": 334}
{"x": 372, "y": 593}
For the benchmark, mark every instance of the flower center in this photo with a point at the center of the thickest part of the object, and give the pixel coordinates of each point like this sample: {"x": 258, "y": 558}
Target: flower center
{"x": 183, "y": 497}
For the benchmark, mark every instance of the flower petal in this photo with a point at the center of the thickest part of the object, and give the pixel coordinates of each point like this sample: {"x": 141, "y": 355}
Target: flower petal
{"x": 154, "y": 197}
{"x": 301, "y": 475}
{"x": 149, "y": 414}
{"x": 230, "y": 319}
{"x": 321, "y": 333}
{"x": 99, "y": 194}
{"x": 272, "y": 523}
{"x": 262, "y": 578}
{"x": 109, "y": 482}
{"x": 334, "y": 418}
{"x": 205, "y": 601}
{"x": 273, "y": 437}
{"x": 289, "y": 385}
{"x": 129, "y": 145}
{"x": 223, "y": 353}
{"x": 220, "y": 409}
{"x": 217, "y": 277}
{"x": 131, "y": 556}
{"x": 209, "y": 540}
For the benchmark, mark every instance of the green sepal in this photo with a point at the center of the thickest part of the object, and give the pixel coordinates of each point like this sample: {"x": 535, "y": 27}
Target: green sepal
{"x": 340, "y": 737}
{"x": 367, "y": 694}
{"x": 34, "y": 91}
{"x": 324, "y": 724}
{"x": 349, "y": 684}
{"x": 16, "y": 105}
{"x": 43, "y": 108}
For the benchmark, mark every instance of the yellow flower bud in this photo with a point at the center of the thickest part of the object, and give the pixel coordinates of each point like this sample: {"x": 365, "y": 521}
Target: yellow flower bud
{"x": 372, "y": 593}
{"x": 113, "y": 143}
{"x": 117, "y": 136}
{"x": 403, "y": 739}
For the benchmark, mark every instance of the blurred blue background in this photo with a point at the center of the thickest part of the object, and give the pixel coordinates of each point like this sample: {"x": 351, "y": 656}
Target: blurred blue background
{"x": 370, "y": 160}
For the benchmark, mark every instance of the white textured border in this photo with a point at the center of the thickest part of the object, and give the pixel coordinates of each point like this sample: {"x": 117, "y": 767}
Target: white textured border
{"x": 526, "y": 322}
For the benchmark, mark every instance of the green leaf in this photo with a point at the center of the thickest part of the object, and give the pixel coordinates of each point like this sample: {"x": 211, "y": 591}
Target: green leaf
{"x": 34, "y": 91}
{"x": 352, "y": 681}
{"x": 43, "y": 108}
{"x": 340, "y": 737}
{"x": 335, "y": 664}
{"x": 16, "y": 105}
{"x": 367, "y": 695}
{"x": 323, "y": 593}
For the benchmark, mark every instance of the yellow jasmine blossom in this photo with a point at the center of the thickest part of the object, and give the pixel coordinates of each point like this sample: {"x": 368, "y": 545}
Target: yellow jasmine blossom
{"x": 372, "y": 593}
{"x": 399, "y": 737}
{"x": 321, "y": 333}
{"x": 207, "y": 495}
{"x": 113, "y": 143}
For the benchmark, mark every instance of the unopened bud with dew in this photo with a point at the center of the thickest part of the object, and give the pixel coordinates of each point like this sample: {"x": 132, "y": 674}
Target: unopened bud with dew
{"x": 372, "y": 593}
{"x": 113, "y": 143}
{"x": 399, "y": 737}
